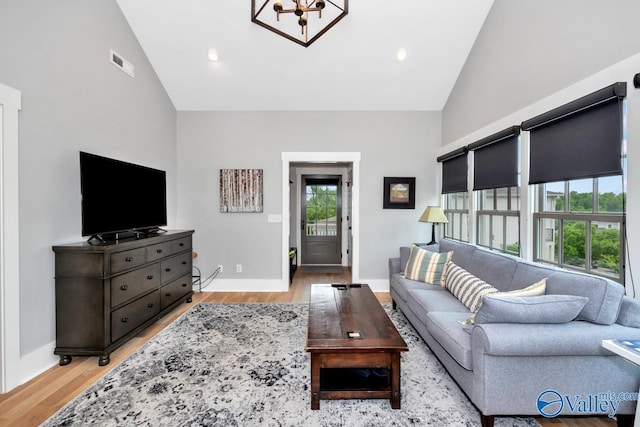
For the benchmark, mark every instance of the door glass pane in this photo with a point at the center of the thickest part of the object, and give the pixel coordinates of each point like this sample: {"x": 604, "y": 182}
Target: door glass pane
{"x": 497, "y": 237}
{"x": 322, "y": 208}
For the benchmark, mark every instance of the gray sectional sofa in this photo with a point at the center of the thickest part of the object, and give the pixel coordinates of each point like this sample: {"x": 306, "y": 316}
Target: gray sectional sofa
{"x": 512, "y": 367}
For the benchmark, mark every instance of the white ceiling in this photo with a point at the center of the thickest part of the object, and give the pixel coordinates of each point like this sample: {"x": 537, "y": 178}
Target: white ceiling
{"x": 353, "y": 67}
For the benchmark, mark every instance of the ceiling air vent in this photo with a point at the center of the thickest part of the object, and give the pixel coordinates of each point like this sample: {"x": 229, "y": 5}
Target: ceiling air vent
{"x": 121, "y": 63}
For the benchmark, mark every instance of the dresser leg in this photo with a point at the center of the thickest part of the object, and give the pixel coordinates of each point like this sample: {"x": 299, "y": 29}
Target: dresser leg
{"x": 189, "y": 299}
{"x": 104, "y": 360}
{"x": 65, "y": 360}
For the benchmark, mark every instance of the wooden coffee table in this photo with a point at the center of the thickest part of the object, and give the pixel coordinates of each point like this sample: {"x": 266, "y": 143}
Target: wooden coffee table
{"x": 355, "y": 348}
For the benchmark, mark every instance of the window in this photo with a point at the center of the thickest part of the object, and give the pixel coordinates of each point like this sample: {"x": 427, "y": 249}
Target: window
{"x": 455, "y": 194}
{"x": 496, "y": 185}
{"x": 578, "y": 159}
{"x": 456, "y": 208}
{"x": 580, "y": 225}
{"x": 498, "y": 219}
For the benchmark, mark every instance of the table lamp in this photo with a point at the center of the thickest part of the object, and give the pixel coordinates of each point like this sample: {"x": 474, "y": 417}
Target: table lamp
{"x": 433, "y": 214}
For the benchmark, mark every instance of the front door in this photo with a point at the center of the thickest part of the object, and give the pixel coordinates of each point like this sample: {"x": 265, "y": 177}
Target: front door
{"x": 321, "y": 213}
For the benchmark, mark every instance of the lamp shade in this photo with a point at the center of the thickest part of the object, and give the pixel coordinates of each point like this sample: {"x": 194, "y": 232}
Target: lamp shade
{"x": 433, "y": 214}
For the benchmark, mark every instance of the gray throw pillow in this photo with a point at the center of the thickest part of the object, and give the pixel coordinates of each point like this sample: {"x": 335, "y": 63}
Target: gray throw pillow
{"x": 538, "y": 309}
{"x": 629, "y": 312}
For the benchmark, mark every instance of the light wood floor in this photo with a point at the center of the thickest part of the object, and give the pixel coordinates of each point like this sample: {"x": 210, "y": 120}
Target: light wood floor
{"x": 32, "y": 403}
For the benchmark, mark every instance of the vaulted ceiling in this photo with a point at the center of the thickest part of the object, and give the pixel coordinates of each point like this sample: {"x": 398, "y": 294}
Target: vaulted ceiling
{"x": 351, "y": 67}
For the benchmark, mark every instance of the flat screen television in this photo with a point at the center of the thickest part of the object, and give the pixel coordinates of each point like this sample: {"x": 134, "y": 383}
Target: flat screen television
{"x": 120, "y": 197}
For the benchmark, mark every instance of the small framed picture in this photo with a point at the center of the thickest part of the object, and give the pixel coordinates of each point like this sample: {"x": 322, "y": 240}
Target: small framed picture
{"x": 399, "y": 193}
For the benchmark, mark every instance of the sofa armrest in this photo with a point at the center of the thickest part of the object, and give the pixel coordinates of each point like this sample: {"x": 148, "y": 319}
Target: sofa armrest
{"x": 560, "y": 339}
{"x": 394, "y": 266}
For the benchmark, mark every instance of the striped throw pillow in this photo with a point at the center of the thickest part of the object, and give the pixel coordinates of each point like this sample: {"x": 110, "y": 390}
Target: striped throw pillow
{"x": 466, "y": 287}
{"x": 427, "y": 266}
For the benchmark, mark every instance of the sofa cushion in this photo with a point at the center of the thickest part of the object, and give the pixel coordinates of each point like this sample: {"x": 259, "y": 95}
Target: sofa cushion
{"x": 427, "y": 266}
{"x": 466, "y": 287}
{"x": 422, "y": 301}
{"x": 604, "y": 295}
{"x": 444, "y": 327}
{"x": 402, "y": 285}
{"x": 462, "y": 252}
{"x": 494, "y": 268}
{"x": 629, "y": 312}
{"x": 536, "y": 309}
{"x": 534, "y": 290}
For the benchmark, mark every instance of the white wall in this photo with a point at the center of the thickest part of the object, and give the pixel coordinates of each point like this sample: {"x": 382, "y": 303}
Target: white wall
{"x": 530, "y": 49}
{"x": 391, "y": 144}
{"x": 57, "y": 55}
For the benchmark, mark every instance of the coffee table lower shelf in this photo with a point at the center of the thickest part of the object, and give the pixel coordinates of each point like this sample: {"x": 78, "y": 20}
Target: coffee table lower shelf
{"x": 335, "y": 376}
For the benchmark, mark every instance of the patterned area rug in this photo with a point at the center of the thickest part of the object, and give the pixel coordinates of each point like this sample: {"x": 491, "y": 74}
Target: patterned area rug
{"x": 245, "y": 365}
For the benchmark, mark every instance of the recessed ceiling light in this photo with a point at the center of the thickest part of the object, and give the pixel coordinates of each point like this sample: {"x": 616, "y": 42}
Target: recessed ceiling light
{"x": 401, "y": 55}
{"x": 212, "y": 54}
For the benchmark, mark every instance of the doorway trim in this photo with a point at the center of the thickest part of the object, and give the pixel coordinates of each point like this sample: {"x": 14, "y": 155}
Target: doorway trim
{"x": 321, "y": 157}
{"x": 10, "y": 103}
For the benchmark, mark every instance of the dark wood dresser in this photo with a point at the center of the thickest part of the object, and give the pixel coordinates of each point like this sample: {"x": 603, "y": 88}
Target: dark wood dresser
{"x": 107, "y": 293}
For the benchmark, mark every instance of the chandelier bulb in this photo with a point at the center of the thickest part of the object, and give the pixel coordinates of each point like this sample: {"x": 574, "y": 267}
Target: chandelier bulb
{"x": 277, "y": 6}
{"x": 320, "y": 4}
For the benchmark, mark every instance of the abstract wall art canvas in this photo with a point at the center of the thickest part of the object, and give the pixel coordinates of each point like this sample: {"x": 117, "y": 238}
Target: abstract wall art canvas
{"x": 241, "y": 190}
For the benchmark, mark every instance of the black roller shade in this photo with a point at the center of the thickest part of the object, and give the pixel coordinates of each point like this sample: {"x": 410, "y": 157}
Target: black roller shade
{"x": 454, "y": 171}
{"x": 582, "y": 139}
{"x": 495, "y": 160}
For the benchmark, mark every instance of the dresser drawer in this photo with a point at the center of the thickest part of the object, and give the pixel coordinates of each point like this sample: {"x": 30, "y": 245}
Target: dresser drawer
{"x": 125, "y": 260}
{"x": 129, "y": 285}
{"x": 180, "y": 245}
{"x": 175, "y": 267}
{"x": 175, "y": 290}
{"x": 159, "y": 251}
{"x": 129, "y": 317}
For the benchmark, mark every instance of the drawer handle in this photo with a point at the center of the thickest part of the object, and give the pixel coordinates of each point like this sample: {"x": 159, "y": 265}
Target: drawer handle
{"x": 150, "y": 305}
{"x": 168, "y": 294}
{"x": 129, "y": 259}
{"x": 125, "y": 319}
{"x": 184, "y": 262}
{"x": 184, "y": 285}
{"x": 159, "y": 251}
{"x": 124, "y": 287}
{"x": 181, "y": 244}
{"x": 150, "y": 277}
{"x": 167, "y": 270}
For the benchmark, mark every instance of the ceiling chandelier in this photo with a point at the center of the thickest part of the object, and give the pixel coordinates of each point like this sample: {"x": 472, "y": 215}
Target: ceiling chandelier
{"x": 303, "y": 22}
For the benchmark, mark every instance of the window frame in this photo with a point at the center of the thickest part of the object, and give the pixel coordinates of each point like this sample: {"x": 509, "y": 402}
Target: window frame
{"x": 494, "y": 212}
{"x": 595, "y": 216}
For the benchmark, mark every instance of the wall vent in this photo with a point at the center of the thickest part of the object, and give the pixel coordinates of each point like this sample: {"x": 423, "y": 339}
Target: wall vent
{"x": 121, "y": 63}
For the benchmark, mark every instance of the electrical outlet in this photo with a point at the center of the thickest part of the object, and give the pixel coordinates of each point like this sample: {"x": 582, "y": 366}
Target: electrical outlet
{"x": 238, "y": 268}
{"x": 220, "y": 267}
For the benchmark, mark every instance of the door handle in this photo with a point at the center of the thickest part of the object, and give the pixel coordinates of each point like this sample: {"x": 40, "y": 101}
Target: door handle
{"x": 302, "y": 224}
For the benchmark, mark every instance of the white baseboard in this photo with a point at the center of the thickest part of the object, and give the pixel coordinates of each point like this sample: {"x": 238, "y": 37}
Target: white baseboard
{"x": 260, "y": 285}
{"x": 247, "y": 285}
{"x": 377, "y": 285}
{"x": 36, "y": 362}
